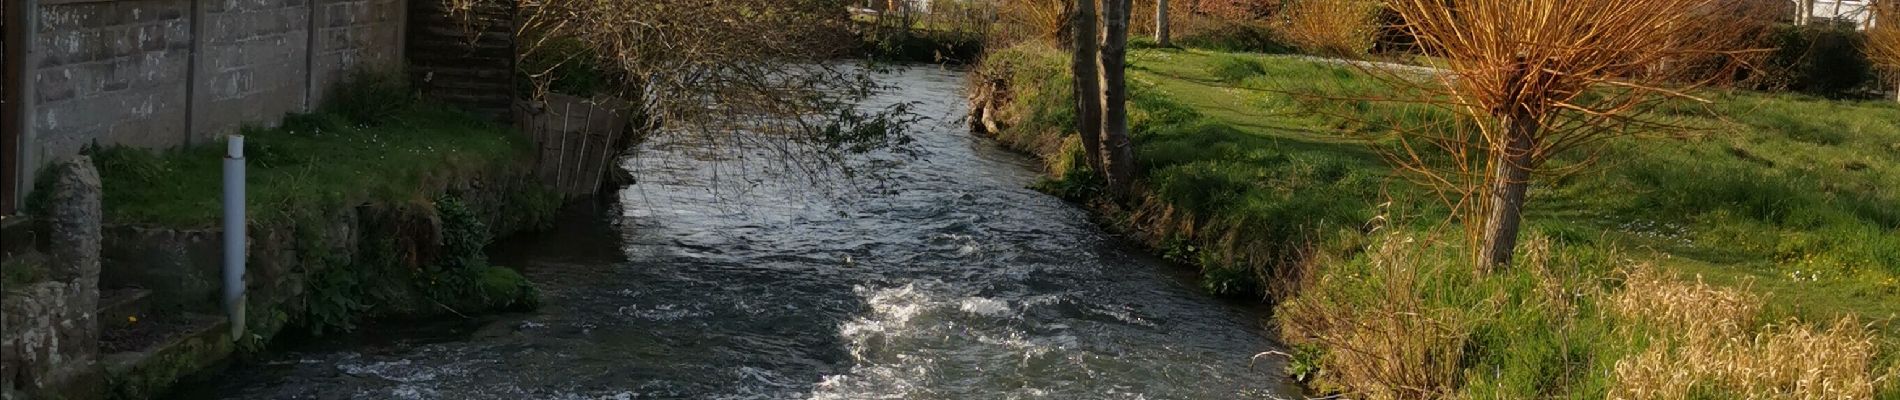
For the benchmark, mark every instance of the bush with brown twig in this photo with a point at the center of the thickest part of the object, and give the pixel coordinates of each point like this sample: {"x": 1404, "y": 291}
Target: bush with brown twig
{"x": 1332, "y": 28}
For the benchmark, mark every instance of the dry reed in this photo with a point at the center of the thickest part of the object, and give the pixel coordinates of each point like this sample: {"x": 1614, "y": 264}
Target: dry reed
{"x": 1394, "y": 346}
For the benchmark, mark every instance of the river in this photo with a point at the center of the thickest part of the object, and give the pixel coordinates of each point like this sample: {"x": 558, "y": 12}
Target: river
{"x": 948, "y": 279}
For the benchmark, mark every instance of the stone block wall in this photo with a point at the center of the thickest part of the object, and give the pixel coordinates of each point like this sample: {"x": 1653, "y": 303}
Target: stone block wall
{"x": 168, "y": 73}
{"x": 112, "y": 72}
{"x": 355, "y": 33}
{"x": 251, "y": 66}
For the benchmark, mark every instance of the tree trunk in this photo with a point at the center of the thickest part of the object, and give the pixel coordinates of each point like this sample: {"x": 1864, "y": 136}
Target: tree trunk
{"x": 1512, "y": 180}
{"x": 1120, "y": 152}
{"x": 1088, "y": 87}
{"x": 1162, "y": 35}
{"x": 1065, "y": 31}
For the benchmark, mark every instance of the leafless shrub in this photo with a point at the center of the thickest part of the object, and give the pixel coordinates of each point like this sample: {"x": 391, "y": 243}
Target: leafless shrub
{"x": 755, "y": 78}
{"x": 1883, "y": 40}
{"x": 1337, "y": 28}
{"x": 1031, "y": 20}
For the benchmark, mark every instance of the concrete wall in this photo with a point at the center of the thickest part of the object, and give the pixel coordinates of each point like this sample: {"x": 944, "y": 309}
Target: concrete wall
{"x": 167, "y": 73}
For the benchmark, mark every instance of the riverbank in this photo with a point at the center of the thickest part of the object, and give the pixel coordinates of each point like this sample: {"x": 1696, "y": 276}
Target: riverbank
{"x": 1265, "y": 172}
{"x": 904, "y": 38}
{"x": 377, "y": 206}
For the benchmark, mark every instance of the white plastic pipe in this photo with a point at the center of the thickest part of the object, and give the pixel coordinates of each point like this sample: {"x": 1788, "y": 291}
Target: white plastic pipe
{"x": 235, "y": 238}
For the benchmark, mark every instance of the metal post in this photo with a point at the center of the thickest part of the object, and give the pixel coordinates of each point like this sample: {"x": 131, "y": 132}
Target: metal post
{"x": 235, "y": 238}
{"x": 194, "y": 59}
{"x": 607, "y": 163}
{"x": 10, "y": 107}
{"x": 312, "y": 94}
{"x": 560, "y": 164}
{"x": 26, "y": 156}
{"x": 580, "y": 157}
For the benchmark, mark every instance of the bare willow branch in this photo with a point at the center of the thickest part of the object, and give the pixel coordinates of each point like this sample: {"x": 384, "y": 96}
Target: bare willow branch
{"x": 753, "y": 79}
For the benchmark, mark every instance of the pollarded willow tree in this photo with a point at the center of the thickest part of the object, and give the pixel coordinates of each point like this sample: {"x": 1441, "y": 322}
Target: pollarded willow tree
{"x": 1538, "y": 78}
{"x": 750, "y": 76}
{"x": 1883, "y": 40}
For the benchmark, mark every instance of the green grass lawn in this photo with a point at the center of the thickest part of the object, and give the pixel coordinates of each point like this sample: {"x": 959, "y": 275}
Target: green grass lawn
{"x": 1770, "y": 187}
{"x": 1254, "y": 165}
{"x": 311, "y": 163}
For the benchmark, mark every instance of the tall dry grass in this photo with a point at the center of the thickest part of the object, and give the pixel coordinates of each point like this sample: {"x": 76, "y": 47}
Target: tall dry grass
{"x": 1391, "y": 343}
{"x": 1707, "y": 341}
{"x": 1404, "y": 321}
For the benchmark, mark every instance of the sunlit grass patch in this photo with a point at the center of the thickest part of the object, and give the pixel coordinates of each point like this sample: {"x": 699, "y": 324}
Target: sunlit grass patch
{"x": 1268, "y": 169}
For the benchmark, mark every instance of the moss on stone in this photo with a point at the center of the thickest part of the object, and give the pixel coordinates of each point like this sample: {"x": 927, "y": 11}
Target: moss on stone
{"x": 19, "y": 272}
{"x": 156, "y": 373}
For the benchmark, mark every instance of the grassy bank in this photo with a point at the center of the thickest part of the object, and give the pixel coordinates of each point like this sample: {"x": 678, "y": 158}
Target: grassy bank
{"x": 419, "y": 187}
{"x": 312, "y": 162}
{"x": 1757, "y": 256}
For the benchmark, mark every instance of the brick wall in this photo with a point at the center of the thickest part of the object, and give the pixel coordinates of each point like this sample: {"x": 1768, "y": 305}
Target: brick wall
{"x": 166, "y": 73}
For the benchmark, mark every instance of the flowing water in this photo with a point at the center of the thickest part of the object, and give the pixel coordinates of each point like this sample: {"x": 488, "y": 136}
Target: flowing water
{"x": 949, "y": 280}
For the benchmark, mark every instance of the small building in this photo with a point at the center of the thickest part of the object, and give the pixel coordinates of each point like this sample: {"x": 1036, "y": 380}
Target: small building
{"x": 883, "y": 6}
{"x": 1857, "y": 12}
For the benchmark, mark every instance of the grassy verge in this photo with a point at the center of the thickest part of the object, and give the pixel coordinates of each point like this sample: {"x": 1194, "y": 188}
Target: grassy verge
{"x": 425, "y": 187}
{"x": 1265, "y": 170}
{"x": 312, "y": 162}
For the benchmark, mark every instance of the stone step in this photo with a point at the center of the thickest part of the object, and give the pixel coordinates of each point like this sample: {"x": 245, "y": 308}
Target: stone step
{"x": 124, "y": 305}
{"x": 151, "y": 331}
{"x": 189, "y": 342}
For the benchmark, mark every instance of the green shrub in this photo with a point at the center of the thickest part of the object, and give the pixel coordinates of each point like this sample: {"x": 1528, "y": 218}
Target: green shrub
{"x": 1251, "y": 37}
{"x": 367, "y": 97}
{"x": 1820, "y": 59}
{"x": 1235, "y": 69}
